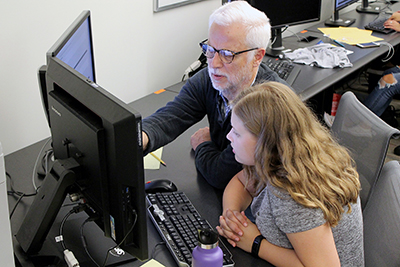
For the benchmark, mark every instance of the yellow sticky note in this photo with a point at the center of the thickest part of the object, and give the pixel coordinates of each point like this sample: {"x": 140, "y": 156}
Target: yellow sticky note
{"x": 152, "y": 263}
{"x": 150, "y": 162}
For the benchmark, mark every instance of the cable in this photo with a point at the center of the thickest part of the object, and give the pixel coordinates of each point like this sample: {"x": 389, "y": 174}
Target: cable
{"x": 76, "y": 209}
{"x": 84, "y": 240}
{"x": 16, "y": 193}
{"x": 16, "y": 204}
{"x": 390, "y": 53}
{"x": 123, "y": 240}
{"x": 36, "y": 163}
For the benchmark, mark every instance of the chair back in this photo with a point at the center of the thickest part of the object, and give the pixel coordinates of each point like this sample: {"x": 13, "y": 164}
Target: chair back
{"x": 367, "y": 138}
{"x": 382, "y": 219}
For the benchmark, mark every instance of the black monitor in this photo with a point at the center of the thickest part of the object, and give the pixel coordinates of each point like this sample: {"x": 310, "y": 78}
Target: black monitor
{"x": 97, "y": 144}
{"x": 284, "y": 14}
{"x": 337, "y": 21}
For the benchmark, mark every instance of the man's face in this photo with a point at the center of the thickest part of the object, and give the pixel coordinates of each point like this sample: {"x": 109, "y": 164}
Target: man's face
{"x": 239, "y": 74}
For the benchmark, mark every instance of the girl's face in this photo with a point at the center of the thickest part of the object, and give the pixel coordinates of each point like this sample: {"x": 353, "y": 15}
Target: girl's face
{"x": 243, "y": 142}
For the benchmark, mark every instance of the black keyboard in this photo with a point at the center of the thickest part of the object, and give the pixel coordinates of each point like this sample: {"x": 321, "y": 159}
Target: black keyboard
{"x": 285, "y": 69}
{"x": 377, "y": 26}
{"x": 177, "y": 221}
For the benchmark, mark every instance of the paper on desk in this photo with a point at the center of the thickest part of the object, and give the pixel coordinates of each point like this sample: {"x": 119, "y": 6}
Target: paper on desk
{"x": 150, "y": 162}
{"x": 350, "y": 35}
{"x": 152, "y": 263}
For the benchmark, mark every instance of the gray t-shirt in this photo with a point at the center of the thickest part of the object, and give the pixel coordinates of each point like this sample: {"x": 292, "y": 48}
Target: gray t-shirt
{"x": 276, "y": 214}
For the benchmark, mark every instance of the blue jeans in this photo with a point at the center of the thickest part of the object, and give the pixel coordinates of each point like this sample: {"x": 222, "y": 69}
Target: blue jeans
{"x": 381, "y": 96}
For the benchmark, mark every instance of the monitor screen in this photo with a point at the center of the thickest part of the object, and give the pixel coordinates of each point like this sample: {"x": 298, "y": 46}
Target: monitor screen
{"x": 75, "y": 48}
{"x": 340, "y": 4}
{"x": 289, "y": 12}
{"x": 97, "y": 144}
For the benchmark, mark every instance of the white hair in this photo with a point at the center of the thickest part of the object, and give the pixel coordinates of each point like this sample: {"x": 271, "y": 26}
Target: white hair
{"x": 256, "y": 22}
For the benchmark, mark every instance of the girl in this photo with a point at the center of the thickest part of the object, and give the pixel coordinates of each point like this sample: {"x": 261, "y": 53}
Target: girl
{"x": 302, "y": 186}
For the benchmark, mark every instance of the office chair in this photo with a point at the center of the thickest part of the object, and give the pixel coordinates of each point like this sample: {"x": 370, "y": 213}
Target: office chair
{"x": 367, "y": 138}
{"x": 382, "y": 219}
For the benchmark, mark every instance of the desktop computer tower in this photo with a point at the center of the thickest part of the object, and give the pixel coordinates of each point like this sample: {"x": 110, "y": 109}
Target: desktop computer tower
{"x": 6, "y": 247}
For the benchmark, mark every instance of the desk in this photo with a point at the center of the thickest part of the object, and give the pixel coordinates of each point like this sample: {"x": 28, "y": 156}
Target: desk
{"x": 312, "y": 80}
{"x": 180, "y": 159}
{"x": 181, "y": 170}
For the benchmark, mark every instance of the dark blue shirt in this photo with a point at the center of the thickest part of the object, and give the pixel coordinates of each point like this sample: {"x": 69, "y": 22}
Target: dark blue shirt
{"x": 198, "y": 98}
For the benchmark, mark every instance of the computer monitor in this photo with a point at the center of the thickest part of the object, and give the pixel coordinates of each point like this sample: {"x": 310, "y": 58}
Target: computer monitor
{"x": 97, "y": 144}
{"x": 337, "y": 21}
{"x": 284, "y": 14}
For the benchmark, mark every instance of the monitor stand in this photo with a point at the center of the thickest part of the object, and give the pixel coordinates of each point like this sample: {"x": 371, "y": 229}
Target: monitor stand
{"x": 335, "y": 21}
{"x": 365, "y": 7}
{"x": 276, "y": 48}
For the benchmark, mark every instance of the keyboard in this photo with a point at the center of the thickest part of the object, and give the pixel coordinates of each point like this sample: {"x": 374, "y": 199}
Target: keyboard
{"x": 177, "y": 221}
{"x": 377, "y": 26}
{"x": 285, "y": 69}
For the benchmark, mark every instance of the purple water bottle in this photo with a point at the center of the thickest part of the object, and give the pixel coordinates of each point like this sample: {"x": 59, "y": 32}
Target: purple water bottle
{"x": 207, "y": 253}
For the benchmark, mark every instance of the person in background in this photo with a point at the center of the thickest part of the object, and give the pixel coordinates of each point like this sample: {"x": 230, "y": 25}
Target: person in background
{"x": 381, "y": 96}
{"x": 302, "y": 185}
{"x": 237, "y": 39}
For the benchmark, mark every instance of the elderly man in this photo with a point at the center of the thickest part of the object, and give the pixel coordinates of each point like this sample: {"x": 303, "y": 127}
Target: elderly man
{"x": 238, "y": 37}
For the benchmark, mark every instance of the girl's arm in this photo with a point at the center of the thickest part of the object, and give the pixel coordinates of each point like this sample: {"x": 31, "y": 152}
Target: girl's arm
{"x": 315, "y": 247}
{"x": 235, "y": 200}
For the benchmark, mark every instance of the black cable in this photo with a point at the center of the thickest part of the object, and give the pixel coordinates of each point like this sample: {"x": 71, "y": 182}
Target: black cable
{"x": 125, "y": 237}
{"x": 19, "y": 194}
{"x": 15, "y": 206}
{"x": 84, "y": 240}
{"x": 75, "y": 209}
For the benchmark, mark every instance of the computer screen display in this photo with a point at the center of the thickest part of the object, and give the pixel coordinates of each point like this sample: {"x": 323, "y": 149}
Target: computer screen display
{"x": 77, "y": 49}
{"x": 97, "y": 144}
{"x": 340, "y": 4}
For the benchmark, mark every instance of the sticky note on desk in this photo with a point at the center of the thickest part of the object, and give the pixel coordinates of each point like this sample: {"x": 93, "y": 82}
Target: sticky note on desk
{"x": 150, "y": 162}
{"x": 152, "y": 263}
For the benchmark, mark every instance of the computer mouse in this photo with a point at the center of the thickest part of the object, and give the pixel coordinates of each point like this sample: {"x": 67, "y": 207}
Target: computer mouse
{"x": 161, "y": 185}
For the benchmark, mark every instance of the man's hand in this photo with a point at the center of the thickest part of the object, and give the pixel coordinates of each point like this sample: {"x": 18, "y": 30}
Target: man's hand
{"x": 145, "y": 140}
{"x": 202, "y": 135}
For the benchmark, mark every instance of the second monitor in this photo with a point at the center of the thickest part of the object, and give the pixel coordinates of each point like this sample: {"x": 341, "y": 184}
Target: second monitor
{"x": 283, "y": 14}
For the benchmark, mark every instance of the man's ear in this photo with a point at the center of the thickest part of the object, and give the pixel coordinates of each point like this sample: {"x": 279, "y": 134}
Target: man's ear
{"x": 258, "y": 57}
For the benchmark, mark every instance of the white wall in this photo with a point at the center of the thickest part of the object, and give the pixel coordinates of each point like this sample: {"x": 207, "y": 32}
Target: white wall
{"x": 136, "y": 52}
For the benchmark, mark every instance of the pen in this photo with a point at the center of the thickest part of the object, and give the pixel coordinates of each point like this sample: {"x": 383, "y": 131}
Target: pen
{"x": 157, "y": 158}
{"x": 339, "y": 43}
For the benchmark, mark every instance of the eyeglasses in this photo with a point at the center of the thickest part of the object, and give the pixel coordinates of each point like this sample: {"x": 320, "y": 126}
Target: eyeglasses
{"x": 226, "y": 56}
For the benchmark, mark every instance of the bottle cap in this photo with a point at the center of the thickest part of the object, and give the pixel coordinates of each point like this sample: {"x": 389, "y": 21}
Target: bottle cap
{"x": 208, "y": 238}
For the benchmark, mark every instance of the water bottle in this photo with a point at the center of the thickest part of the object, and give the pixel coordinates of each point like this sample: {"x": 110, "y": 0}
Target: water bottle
{"x": 207, "y": 253}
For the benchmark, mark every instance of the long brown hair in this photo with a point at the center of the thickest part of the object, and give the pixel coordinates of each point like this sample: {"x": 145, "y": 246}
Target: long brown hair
{"x": 295, "y": 152}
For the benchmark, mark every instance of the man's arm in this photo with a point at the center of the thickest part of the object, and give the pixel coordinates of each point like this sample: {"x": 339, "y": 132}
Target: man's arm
{"x": 216, "y": 166}
{"x": 177, "y": 116}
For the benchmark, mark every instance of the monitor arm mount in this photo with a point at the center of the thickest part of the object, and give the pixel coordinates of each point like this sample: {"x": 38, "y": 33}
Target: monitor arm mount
{"x": 44, "y": 209}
